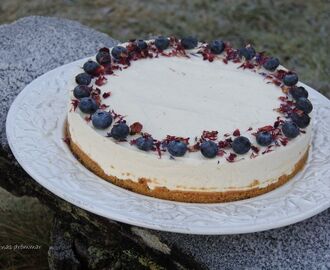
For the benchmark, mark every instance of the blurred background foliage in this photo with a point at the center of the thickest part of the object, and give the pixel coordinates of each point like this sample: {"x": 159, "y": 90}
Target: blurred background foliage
{"x": 296, "y": 31}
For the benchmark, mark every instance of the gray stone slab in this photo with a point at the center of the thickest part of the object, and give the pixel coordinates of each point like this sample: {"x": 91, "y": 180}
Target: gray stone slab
{"x": 305, "y": 245}
{"x": 34, "y": 45}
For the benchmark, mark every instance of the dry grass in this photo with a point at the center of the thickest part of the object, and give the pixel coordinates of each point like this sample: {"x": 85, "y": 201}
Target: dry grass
{"x": 295, "y": 31}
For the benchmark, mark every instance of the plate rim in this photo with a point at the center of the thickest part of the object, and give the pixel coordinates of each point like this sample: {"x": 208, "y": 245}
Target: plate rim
{"x": 122, "y": 218}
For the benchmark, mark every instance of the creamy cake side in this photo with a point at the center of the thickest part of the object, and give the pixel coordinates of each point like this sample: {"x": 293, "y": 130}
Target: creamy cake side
{"x": 189, "y": 124}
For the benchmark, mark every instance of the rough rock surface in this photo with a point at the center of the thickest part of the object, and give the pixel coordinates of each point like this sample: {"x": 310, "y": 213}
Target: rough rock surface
{"x": 35, "y": 45}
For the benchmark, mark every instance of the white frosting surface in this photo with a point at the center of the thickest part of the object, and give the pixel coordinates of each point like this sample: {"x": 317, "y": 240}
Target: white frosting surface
{"x": 183, "y": 97}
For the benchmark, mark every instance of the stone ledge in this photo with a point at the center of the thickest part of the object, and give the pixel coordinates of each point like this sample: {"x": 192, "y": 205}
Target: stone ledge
{"x": 34, "y": 45}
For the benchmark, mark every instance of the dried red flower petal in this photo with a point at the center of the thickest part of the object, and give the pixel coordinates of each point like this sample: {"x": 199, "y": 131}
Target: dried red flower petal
{"x": 267, "y": 151}
{"x": 255, "y": 149}
{"x": 194, "y": 148}
{"x": 297, "y": 111}
{"x": 95, "y": 94}
{"x": 210, "y": 135}
{"x": 223, "y": 144}
{"x": 207, "y": 55}
{"x": 266, "y": 128}
{"x": 284, "y": 141}
{"x": 253, "y": 155}
{"x": 99, "y": 71}
{"x": 106, "y": 94}
{"x": 103, "y": 106}
{"x": 276, "y": 82}
{"x": 74, "y": 103}
{"x": 157, "y": 146}
{"x": 170, "y": 138}
{"x": 116, "y": 116}
{"x": 131, "y": 47}
{"x": 232, "y": 54}
{"x": 104, "y": 49}
{"x": 66, "y": 140}
{"x": 101, "y": 80}
{"x": 88, "y": 118}
{"x": 247, "y": 65}
{"x": 108, "y": 69}
{"x": 286, "y": 107}
{"x": 261, "y": 58}
{"x": 221, "y": 153}
{"x": 135, "y": 128}
{"x": 231, "y": 157}
{"x": 236, "y": 132}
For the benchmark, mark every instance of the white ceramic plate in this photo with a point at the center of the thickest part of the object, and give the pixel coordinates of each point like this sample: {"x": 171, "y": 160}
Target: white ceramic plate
{"x": 35, "y": 125}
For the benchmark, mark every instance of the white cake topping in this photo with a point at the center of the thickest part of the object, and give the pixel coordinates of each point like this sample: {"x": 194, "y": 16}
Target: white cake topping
{"x": 184, "y": 97}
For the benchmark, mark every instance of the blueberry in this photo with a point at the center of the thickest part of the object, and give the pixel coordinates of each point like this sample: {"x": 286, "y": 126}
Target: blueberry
{"x": 209, "y": 149}
{"x": 101, "y": 119}
{"x": 241, "y": 145}
{"x": 145, "y": 143}
{"x": 271, "y": 63}
{"x": 81, "y": 91}
{"x": 119, "y": 131}
{"x": 248, "y": 52}
{"x": 304, "y": 104}
{"x": 264, "y": 138}
{"x": 91, "y": 67}
{"x": 302, "y": 120}
{"x": 290, "y": 129}
{"x": 141, "y": 44}
{"x": 189, "y": 42}
{"x": 118, "y": 52}
{"x": 177, "y": 148}
{"x": 88, "y": 105}
{"x": 290, "y": 79}
{"x": 83, "y": 79}
{"x": 217, "y": 46}
{"x": 298, "y": 92}
{"x": 103, "y": 57}
{"x": 162, "y": 43}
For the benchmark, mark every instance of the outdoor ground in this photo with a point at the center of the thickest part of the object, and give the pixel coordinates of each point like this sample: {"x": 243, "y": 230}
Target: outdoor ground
{"x": 296, "y": 31}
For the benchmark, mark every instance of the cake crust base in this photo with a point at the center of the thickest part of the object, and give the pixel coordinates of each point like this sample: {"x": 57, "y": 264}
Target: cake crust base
{"x": 177, "y": 195}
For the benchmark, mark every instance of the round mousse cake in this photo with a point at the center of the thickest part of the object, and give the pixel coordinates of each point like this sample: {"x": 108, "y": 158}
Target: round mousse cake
{"x": 188, "y": 121}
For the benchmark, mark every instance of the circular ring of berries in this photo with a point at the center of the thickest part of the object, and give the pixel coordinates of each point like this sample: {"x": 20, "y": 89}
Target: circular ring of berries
{"x": 295, "y": 105}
